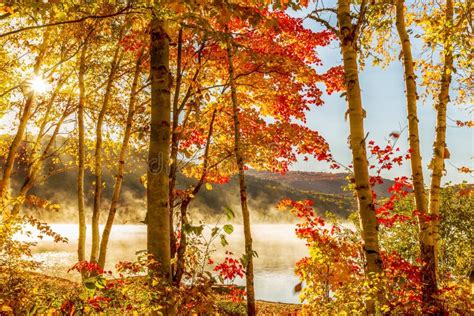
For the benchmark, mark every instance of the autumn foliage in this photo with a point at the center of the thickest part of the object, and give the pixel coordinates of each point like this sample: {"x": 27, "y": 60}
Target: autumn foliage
{"x": 196, "y": 94}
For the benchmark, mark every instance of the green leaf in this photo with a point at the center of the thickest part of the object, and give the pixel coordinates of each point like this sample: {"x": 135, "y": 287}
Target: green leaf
{"x": 100, "y": 283}
{"x": 90, "y": 285}
{"x": 229, "y": 212}
{"x": 198, "y": 229}
{"x": 244, "y": 260}
{"x": 228, "y": 228}
{"x": 223, "y": 241}
{"x": 190, "y": 229}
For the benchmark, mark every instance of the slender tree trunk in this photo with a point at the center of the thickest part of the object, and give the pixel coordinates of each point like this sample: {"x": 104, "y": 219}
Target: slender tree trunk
{"x": 5, "y": 182}
{"x": 158, "y": 223}
{"x": 243, "y": 188}
{"x": 175, "y": 141}
{"x": 121, "y": 166}
{"x": 429, "y": 286}
{"x": 35, "y": 167}
{"x": 175, "y": 134}
{"x": 81, "y": 211}
{"x": 98, "y": 154}
{"x": 46, "y": 118}
{"x": 181, "y": 251}
{"x": 356, "y": 114}
{"x": 439, "y": 146}
{"x": 36, "y": 159}
{"x": 27, "y": 184}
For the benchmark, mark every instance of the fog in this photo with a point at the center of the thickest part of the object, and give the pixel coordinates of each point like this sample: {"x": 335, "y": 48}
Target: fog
{"x": 276, "y": 244}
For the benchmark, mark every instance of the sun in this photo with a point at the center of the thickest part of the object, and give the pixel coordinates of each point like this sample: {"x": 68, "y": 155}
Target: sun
{"x": 38, "y": 84}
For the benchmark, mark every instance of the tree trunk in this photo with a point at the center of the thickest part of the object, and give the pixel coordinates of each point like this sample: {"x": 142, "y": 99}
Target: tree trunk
{"x": 5, "y": 182}
{"x": 81, "y": 245}
{"x": 121, "y": 166}
{"x": 181, "y": 251}
{"x": 98, "y": 154}
{"x": 35, "y": 166}
{"x": 175, "y": 141}
{"x": 429, "y": 286}
{"x": 439, "y": 146}
{"x": 158, "y": 223}
{"x": 243, "y": 188}
{"x": 356, "y": 114}
{"x": 36, "y": 159}
{"x": 49, "y": 107}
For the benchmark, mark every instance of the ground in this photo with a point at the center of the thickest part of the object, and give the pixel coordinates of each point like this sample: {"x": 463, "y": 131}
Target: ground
{"x": 274, "y": 308}
{"x": 59, "y": 287}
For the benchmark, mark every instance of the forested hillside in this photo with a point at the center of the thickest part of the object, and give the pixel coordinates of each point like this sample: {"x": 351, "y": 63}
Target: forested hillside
{"x": 324, "y": 182}
{"x": 264, "y": 196}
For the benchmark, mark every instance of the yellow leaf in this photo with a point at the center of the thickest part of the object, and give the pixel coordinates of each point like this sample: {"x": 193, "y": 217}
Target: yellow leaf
{"x": 6, "y": 308}
{"x": 208, "y": 186}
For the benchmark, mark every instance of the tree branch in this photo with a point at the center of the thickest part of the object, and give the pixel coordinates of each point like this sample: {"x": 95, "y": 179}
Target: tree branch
{"x": 97, "y": 17}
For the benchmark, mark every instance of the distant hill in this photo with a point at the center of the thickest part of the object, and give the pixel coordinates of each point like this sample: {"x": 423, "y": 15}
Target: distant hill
{"x": 322, "y": 182}
{"x": 265, "y": 191}
{"x": 264, "y": 194}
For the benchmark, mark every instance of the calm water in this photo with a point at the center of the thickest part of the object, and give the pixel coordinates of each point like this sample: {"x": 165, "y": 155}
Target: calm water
{"x": 276, "y": 244}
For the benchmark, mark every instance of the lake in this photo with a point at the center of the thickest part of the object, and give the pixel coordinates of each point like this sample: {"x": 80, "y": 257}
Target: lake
{"x": 276, "y": 244}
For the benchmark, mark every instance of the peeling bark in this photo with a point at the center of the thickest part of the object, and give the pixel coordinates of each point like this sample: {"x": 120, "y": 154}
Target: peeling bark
{"x": 439, "y": 146}
{"x": 158, "y": 209}
{"x": 428, "y": 276}
{"x": 356, "y": 114}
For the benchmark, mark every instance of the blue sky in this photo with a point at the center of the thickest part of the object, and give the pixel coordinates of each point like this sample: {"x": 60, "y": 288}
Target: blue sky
{"x": 384, "y": 101}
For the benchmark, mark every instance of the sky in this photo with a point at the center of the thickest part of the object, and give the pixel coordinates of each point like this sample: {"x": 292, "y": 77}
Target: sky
{"x": 384, "y": 101}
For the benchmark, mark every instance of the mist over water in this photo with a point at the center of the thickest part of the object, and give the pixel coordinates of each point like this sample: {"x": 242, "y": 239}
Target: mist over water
{"x": 276, "y": 244}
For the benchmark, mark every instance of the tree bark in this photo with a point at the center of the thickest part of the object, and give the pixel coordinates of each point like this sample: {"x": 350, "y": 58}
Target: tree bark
{"x": 243, "y": 188}
{"x": 175, "y": 141}
{"x": 98, "y": 153}
{"x": 356, "y": 114}
{"x": 158, "y": 223}
{"x": 5, "y": 182}
{"x": 181, "y": 250}
{"x": 429, "y": 285}
{"x": 439, "y": 146}
{"x": 121, "y": 165}
{"x": 81, "y": 211}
